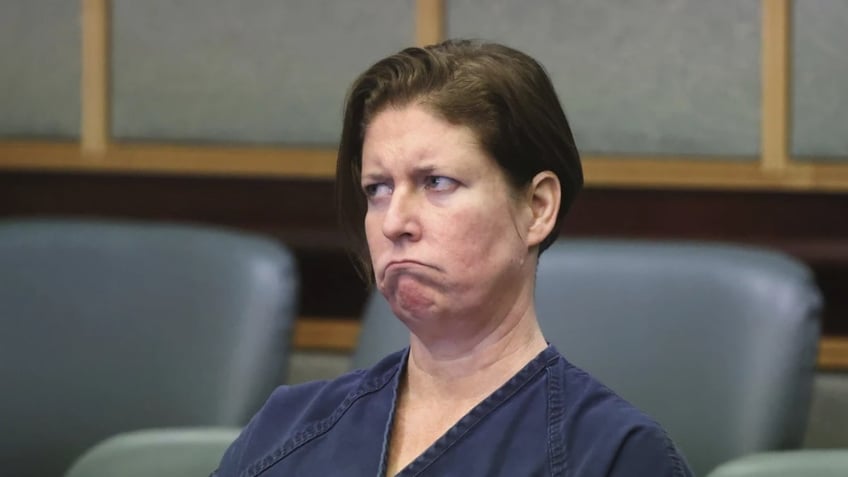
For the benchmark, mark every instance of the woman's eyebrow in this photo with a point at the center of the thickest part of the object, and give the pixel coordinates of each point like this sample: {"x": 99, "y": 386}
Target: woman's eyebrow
{"x": 424, "y": 169}
{"x": 373, "y": 176}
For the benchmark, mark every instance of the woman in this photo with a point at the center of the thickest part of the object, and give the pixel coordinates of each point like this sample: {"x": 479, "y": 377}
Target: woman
{"x": 456, "y": 166}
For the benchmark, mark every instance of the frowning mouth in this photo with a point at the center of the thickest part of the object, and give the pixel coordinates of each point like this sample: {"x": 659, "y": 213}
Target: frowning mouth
{"x": 406, "y": 263}
{"x": 396, "y": 266}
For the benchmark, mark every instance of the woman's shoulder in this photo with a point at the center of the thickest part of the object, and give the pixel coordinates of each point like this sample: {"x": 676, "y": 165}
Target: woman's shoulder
{"x": 293, "y": 412}
{"x": 589, "y": 402}
{"x": 599, "y": 428}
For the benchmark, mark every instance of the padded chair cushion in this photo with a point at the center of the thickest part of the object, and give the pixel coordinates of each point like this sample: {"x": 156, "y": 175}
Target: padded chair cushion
{"x": 113, "y": 326}
{"x": 717, "y": 342}
{"x": 192, "y": 452}
{"x": 801, "y": 463}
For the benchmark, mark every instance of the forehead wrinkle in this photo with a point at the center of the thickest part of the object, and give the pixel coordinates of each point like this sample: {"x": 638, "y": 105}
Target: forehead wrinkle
{"x": 417, "y": 158}
{"x": 392, "y": 142}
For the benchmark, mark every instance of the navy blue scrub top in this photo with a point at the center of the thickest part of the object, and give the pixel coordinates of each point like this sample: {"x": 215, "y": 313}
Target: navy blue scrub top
{"x": 550, "y": 419}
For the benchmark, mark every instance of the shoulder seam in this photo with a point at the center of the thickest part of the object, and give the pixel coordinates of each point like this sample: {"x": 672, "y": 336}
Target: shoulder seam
{"x": 558, "y": 452}
{"x": 315, "y": 429}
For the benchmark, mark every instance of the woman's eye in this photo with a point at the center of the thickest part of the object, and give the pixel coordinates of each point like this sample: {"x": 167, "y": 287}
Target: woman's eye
{"x": 440, "y": 183}
{"x": 377, "y": 190}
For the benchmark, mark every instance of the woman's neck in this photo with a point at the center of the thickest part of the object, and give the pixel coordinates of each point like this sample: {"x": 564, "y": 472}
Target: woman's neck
{"x": 473, "y": 369}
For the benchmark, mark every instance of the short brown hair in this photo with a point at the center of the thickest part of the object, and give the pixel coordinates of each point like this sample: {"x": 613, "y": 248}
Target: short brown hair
{"x": 503, "y": 95}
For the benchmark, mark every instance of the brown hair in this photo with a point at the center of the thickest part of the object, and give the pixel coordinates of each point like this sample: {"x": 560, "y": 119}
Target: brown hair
{"x": 502, "y": 94}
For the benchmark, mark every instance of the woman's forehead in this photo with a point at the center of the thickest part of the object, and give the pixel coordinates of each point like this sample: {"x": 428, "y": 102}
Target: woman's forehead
{"x": 414, "y": 134}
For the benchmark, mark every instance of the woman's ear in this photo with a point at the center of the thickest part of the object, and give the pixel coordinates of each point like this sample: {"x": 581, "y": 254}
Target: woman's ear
{"x": 543, "y": 194}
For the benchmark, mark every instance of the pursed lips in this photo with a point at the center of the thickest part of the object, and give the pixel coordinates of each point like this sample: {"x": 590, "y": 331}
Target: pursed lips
{"x": 402, "y": 263}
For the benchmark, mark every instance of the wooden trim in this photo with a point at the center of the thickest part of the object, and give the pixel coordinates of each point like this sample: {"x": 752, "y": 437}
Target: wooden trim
{"x": 319, "y": 163}
{"x": 326, "y": 334}
{"x": 833, "y": 353}
{"x": 60, "y": 156}
{"x": 289, "y": 162}
{"x": 429, "y": 21}
{"x": 171, "y": 159}
{"x": 776, "y": 75}
{"x": 711, "y": 173}
{"x": 95, "y": 77}
{"x": 833, "y": 177}
{"x": 341, "y": 335}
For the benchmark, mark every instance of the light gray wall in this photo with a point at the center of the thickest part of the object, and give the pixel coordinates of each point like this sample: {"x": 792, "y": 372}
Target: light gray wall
{"x": 820, "y": 79}
{"x": 39, "y": 69}
{"x": 649, "y": 77}
{"x": 264, "y": 71}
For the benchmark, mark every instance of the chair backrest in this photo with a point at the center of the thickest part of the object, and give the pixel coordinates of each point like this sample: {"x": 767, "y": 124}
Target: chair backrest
{"x": 113, "y": 326}
{"x": 716, "y": 341}
{"x": 188, "y": 452}
{"x": 799, "y": 463}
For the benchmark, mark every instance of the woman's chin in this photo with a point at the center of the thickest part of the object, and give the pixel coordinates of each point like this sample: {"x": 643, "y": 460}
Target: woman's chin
{"x": 411, "y": 297}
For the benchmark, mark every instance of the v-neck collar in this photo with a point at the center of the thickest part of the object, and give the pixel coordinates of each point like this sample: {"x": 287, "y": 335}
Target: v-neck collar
{"x": 467, "y": 422}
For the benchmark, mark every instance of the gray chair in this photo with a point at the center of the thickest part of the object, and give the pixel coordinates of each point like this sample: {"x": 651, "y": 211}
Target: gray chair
{"x": 799, "y": 463}
{"x": 108, "y": 327}
{"x": 717, "y": 342}
{"x": 190, "y": 452}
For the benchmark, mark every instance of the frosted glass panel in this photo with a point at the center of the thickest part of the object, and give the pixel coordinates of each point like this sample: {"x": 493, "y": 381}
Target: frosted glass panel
{"x": 39, "y": 68}
{"x": 646, "y": 77}
{"x": 820, "y": 79}
{"x": 265, "y": 71}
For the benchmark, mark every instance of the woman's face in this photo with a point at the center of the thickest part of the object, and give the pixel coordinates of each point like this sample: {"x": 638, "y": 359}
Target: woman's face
{"x": 444, "y": 228}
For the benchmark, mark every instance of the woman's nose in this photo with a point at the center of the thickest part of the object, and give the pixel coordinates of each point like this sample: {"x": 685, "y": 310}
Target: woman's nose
{"x": 401, "y": 221}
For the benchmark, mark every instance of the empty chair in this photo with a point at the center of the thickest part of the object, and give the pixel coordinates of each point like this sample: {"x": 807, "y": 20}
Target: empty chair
{"x": 717, "y": 342}
{"x": 798, "y": 463}
{"x": 108, "y": 327}
{"x": 183, "y": 452}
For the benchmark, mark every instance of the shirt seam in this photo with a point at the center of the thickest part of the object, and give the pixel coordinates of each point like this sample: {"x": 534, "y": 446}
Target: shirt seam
{"x": 312, "y": 430}
{"x": 557, "y": 452}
